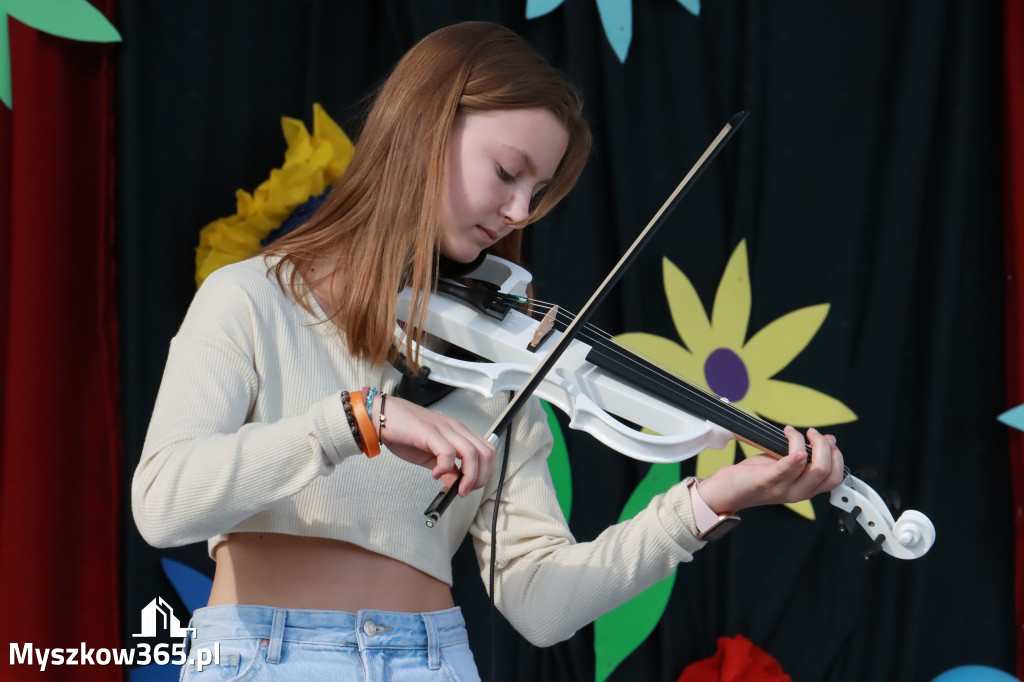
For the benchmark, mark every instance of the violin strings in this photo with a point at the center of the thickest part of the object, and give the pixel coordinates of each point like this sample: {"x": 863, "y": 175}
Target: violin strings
{"x": 680, "y": 386}
{"x": 684, "y": 387}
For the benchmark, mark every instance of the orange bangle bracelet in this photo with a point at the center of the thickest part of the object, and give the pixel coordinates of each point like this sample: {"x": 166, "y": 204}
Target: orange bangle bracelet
{"x": 365, "y": 424}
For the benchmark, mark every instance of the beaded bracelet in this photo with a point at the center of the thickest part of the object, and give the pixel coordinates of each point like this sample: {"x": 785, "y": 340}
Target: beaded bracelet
{"x": 346, "y": 402}
{"x": 365, "y": 425}
{"x": 369, "y": 399}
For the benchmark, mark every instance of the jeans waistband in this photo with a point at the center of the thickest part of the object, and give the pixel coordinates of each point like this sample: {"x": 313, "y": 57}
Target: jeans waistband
{"x": 365, "y": 629}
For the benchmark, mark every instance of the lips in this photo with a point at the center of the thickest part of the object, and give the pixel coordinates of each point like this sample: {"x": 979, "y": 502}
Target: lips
{"x": 491, "y": 234}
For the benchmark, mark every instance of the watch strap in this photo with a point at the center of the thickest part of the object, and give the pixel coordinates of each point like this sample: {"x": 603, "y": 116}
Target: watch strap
{"x": 710, "y": 524}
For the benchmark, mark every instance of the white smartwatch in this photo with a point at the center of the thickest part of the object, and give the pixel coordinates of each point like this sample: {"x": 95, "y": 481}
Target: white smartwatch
{"x": 710, "y": 524}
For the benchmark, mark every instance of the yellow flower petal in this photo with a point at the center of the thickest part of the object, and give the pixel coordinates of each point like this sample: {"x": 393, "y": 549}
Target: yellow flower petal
{"x": 325, "y": 128}
{"x": 320, "y": 155}
{"x": 731, "y": 313}
{"x": 663, "y": 352}
{"x": 311, "y": 163}
{"x": 243, "y": 202}
{"x": 342, "y": 149}
{"x": 786, "y": 403}
{"x": 296, "y": 135}
{"x": 241, "y": 242}
{"x": 687, "y": 311}
{"x": 804, "y": 508}
{"x": 775, "y": 346}
{"x": 709, "y": 461}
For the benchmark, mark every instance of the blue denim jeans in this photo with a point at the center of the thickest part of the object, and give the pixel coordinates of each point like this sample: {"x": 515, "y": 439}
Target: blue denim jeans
{"x": 240, "y": 642}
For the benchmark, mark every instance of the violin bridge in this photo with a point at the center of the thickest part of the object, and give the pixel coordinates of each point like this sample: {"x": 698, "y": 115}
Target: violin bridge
{"x": 544, "y": 329}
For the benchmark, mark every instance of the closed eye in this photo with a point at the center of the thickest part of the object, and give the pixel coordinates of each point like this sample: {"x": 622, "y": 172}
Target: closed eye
{"x": 505, "y": 175}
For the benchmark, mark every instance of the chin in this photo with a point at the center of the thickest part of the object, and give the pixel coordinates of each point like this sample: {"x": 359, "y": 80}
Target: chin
{"x": 464, "y": 255}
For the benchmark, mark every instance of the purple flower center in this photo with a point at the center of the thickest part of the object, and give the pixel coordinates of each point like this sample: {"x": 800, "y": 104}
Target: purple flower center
{"x": 726, "y": 374}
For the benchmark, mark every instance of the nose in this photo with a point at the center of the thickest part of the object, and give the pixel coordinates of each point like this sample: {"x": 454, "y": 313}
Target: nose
{"x": 517, "y": 208}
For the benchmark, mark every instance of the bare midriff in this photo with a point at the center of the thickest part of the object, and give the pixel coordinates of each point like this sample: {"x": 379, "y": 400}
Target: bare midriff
{"x": 288, "y": 571}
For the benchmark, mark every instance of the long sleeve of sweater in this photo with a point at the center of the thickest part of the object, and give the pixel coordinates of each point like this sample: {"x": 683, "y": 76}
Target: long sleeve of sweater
{"x": 547, "y": 584}
{"x": 206, "y": 466}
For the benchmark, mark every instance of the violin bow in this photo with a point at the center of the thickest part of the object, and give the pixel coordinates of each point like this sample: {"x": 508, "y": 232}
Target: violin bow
{"x": 447, "y": 495}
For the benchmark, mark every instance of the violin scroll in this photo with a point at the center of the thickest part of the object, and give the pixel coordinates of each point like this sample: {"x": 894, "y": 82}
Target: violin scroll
{"x": 908, "y": 537}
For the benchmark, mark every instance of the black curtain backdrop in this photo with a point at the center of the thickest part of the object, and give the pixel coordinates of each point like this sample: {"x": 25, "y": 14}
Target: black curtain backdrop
{"x": 866, "y": 177}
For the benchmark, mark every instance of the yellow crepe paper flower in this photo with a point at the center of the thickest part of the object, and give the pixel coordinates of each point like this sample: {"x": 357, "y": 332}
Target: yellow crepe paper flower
{"x": 311, "y": 163}
{"x": 722, "y": 360}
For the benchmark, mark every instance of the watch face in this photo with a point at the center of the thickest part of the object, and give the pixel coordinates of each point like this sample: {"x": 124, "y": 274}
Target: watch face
{"x": 724, "y": 525}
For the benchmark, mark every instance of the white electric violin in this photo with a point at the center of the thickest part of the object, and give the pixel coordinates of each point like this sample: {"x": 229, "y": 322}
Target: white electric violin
{"x": 612, "y": 393}
{"x": 606, "y": 389}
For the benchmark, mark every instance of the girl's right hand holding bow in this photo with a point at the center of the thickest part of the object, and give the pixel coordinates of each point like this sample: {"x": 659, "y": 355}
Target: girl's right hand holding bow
{"x": 435, "y": 441}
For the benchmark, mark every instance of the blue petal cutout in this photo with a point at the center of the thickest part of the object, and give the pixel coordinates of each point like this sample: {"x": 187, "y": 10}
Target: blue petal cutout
{"x": 192, "y": 586}
{"x": 538, "y": 8}
{"x": 1014, "y": 417}
{"x": 617, "y": 19}
{"x": 693, "y": 6}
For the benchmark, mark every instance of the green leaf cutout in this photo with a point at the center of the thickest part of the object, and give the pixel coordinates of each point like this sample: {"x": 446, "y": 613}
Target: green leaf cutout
{"x": 619, "y": 632}
{"x": 75, "y": 19}
{"x": 558, "y": 463}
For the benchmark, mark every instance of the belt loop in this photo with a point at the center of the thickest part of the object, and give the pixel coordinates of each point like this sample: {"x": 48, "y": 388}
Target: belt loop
{"x": 433, "y": 641}
{"x": 276, "y": 636}
{"x": 190, "y": 634}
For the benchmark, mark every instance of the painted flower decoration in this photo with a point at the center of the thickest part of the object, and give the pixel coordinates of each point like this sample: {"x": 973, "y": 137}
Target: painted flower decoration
{"x": 616, "y": 19}
{"x": 311, "y": 163}
{"x": 74, "y": 19}
{"x": 1014, "y": 417}
{"x": 718, "y": 357}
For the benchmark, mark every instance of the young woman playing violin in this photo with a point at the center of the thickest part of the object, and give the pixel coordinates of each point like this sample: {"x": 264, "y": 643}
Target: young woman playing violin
{"x": 279, "y": 384}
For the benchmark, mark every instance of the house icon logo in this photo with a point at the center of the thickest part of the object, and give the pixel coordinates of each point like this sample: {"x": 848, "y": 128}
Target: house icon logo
{"x": 159, "y": 613}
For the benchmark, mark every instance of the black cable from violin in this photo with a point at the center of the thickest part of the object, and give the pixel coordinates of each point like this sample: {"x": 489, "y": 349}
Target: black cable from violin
{"x": 494, "y": 546}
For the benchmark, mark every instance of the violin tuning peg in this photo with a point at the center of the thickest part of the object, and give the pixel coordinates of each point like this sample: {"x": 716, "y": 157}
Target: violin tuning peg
{"x": 848, "y": 520}
{"x": 874, "y": 548}
{"x": 866, "y": 474}
{"x": 892, "y": 500}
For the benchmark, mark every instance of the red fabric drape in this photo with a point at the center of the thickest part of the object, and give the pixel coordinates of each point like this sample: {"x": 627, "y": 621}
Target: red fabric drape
{"x": 60, "y": 467}
{"x": 1013, "y": 187}
{"x": 737, "y": 660}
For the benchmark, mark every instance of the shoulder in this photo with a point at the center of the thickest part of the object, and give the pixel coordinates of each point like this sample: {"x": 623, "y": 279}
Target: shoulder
{"x": 253, "y": 280}
{"x": 232, "y": 295}
{"x": 252, "y": 276}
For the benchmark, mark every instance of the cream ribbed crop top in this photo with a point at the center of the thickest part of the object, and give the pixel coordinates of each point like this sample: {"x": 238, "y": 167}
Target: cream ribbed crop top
{"x": 248, "y": 434}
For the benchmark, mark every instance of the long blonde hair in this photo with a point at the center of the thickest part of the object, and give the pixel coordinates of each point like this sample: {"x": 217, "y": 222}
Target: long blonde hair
{"x": 379, "y": 224}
